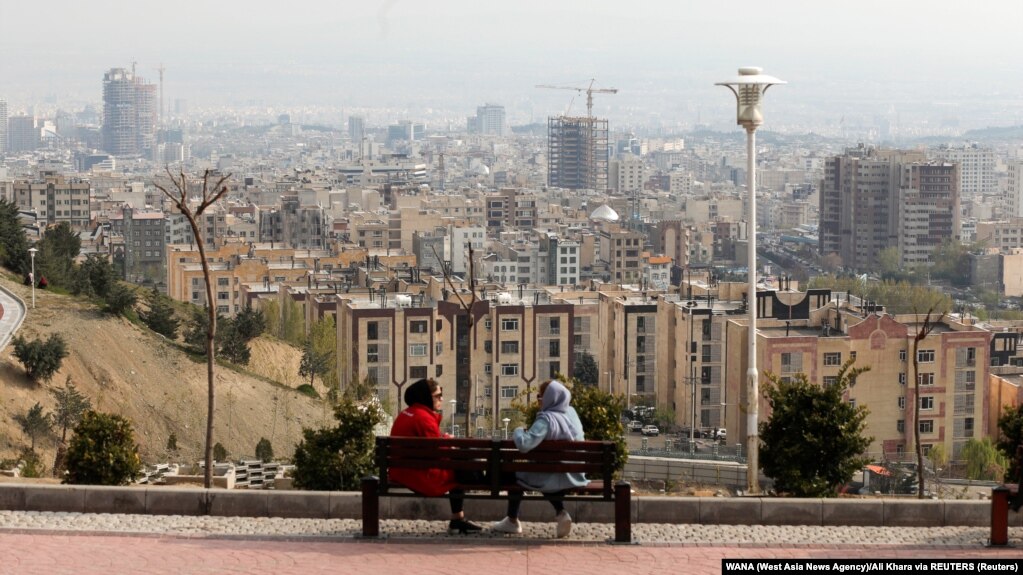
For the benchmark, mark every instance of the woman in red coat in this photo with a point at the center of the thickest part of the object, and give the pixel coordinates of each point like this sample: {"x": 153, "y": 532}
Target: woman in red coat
{"x": 422, "y": 419}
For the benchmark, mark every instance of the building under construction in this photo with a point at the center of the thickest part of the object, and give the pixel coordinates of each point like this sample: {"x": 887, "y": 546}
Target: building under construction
{"x": 577, "y": 153}
{"x": 129, "y": 114}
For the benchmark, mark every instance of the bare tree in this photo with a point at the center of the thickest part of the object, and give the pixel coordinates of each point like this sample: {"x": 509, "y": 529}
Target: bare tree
{"x": 925, "y": 330}
{"x": 467, "y": 307}
{"x": 210, "y": 195}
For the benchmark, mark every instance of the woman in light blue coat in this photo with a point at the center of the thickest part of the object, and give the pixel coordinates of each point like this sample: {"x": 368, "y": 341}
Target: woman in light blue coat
{"x": 556, "y": 420}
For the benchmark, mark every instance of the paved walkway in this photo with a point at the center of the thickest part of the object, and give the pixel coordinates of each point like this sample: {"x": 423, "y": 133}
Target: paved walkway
{"x": 57, "y": 543}
{"x": 12, "y": 313}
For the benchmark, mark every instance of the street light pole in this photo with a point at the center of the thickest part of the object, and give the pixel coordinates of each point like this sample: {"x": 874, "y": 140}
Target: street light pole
{"x": 32, "y": 275}
{"x": 749, "y": 88}
{"x": 453, "y": 403}
{"x": 506, "y": 421}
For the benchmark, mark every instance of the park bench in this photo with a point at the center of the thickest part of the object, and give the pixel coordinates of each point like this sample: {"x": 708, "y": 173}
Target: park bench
{"x": 494, "y": 457}
{"x": 1003, "y": 498}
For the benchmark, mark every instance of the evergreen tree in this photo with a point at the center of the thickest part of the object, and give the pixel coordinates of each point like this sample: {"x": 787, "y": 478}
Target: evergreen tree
{"x": 58, "y": 248}
{"x": 34, "y": 423}
{"x": 160, "y": 317}
{"x": 313, "y": 362}
{"x": 264, "y": 450}
{"x": 71, "y": 405}
{"x": 103, "y": 451}
{"x": 585, "y": 369}
{"x": 120, "y": 299}
{"x": 42, "y": 359}
{"x": 249, "y": 323}
{"x": 813, "y": 444}
{"x": 323, "y": 335}
{"x": 13, "y": 242}
{"x": 1010, "y": 424}
{"x": 336, "y": 459}
{"x": 232, "y": 346}
{"x": 95, "y": 276}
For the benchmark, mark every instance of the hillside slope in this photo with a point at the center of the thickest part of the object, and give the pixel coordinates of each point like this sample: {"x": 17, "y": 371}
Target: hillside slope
{"x": 127, "y": 369}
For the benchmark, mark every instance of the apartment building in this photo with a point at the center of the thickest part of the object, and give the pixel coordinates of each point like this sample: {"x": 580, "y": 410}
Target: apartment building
{"x": 56, "y": 199}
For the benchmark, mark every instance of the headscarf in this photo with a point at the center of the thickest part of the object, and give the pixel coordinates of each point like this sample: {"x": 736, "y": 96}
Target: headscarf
{"x": 554, "y": 409}
{"x": 420, "y": 392}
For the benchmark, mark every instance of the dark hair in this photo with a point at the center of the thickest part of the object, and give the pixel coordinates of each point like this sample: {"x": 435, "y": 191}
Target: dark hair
{"x": 421, "y": 392}
{"x": 543, "y": 388}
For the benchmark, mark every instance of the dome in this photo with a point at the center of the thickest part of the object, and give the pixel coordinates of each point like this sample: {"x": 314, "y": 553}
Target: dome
{"x": 605, "y": 213}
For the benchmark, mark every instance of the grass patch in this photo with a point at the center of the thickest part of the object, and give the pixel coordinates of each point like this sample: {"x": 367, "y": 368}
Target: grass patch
{"x": 306, "y": 389}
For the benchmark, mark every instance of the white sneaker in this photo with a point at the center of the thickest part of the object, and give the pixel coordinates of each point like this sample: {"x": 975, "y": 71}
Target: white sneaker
{"x": 564, "y": 526}
{"x": 506, "y": 525}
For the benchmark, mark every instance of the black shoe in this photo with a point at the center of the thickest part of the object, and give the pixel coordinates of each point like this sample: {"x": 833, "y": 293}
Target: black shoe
{"x": 456, "y": 526}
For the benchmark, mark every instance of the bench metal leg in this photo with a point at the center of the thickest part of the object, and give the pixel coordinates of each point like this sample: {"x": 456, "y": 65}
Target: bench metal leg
{"x": 370, "y": 507}
{"x": 623, "y": 512}
{"x": 999, "y": 516}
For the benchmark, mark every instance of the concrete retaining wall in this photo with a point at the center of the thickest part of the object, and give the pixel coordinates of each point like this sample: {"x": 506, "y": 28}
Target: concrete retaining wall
{"x": 645, "y": 509}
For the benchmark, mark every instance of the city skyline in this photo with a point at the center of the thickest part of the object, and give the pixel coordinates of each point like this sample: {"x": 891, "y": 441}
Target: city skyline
{"x": 925, "y": 69}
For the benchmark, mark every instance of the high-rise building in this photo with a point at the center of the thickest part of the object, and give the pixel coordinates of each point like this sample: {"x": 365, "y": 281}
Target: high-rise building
{"x": 3, "y": 126}
{"x": 356, "y": 128}
{"x": 129, "y": 114}
{"x": 872, "y": 200}
{"x": 488, "y": 121}
{"x": 577, "y": 154}
{"x": 976, "y": 168}
{"x": 22, "y": 134}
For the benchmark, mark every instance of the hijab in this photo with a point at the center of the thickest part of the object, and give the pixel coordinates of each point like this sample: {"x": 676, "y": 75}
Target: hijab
{"x": 421, "y": 393}
{"x": 554, "y": 409}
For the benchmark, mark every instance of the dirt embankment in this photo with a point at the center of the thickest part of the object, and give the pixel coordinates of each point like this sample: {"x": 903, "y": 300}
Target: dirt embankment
{"x": 128, "y": 370}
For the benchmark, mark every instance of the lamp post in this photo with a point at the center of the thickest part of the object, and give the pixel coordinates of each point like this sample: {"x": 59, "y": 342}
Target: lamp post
{"x": 506, "y": 421}
{"x": 453, "y": 403}
{"x": 749, "y": 89}
{"x": 692, "y": 370}
{"x": 32, "y": 274}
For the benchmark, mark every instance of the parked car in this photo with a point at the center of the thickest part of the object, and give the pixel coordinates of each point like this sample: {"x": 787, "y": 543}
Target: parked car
{"x": 720, "y": 433}
{"x": 651, "y": 431}
{"x": 635, "y": 425}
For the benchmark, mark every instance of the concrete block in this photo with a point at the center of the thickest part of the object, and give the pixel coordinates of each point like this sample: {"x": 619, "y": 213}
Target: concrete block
{"x": 175, "y": 501}
{"x": 12, "y": 497}
{"x": 486, "y": 511}
{"x": 674, "y": 510}
{"x": 415, "y": 508}
{"x": 312, "y": 504}
{"x": 914, "y": 513}
{"x": 347, "y": 505}
{"x": 968, "y": 513}
{"x": 54, "y": 498}
{"x": 791, "y": 511}
{"x": 730, "y": 510}
{"x": 105, "y": 499}
{"x": 852, "y": 512}
{"x": 596, "y": 511}
{"x": 238, "y": 503}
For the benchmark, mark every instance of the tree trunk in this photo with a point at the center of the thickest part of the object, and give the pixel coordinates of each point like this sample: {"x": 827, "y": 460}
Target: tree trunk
{"x": 916, "y": 418}
{"x": 211, "y": 332}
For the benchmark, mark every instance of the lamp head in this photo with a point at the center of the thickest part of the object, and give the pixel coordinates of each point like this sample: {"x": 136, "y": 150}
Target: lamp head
{"x": 749, "y": 88}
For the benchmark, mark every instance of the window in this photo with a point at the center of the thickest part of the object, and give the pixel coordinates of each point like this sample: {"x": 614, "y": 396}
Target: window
{"x": 968, "y": 427}
{"x": 555, "y": 325}
{"x": 222, "y": 295}
{"x": 852, "y": 355}
{"x": 417, "y": 372}
{"x": 509, "y": 369}
{"x": 786, "y": 361}
{"x": 830, "y": 380}
{"x": 372, "y": 353}
{"x": 554, "y": 347}
{"x": 900, "y": 426}
{"x": 223, "y": 281}
{"x": 418, "y": 326}
{"x": 372, "y": 331}
{"x": 488, "y": 369}
{"x": 487, "y": 323}
{"x": 641, "y": 324}
{"x": 925, "y": 356}
{"x": 705, "y": 355}
{"x": 488, "y": 346}
{"x": 508, "y": 391}
{"x": 902, "y": 355}
{"x": 902, "y": 379}
{"x": 554, "y": 370}
{"x": 509, "y": 347}
{"x": 509, "y": 324}
{"x": 704, "y": 329}
{"x": 902, "y": 402}
{"x": 971, "y": 379}
{"x": 927, "y": 402}
{"x": 971, "y": 356}
{"x": 926, "y": 426}
{"x": 417, "y": 350}
{"x": 438, "y": 348}
{"x": 439, "y": 371}
{"x": 833, "y": 358}
{"x": 926, "y": 379}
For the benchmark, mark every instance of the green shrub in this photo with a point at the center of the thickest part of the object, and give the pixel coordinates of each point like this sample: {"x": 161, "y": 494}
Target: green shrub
{"x": 264, "y": 450}
{"x": 219, "y": 452}
{"x": 309, "y": 390}
{"x": 31, "y": 463}
{"x": 336, "y": 459}
{"x": 102, "y": 451}
{"x": 42, "y": 359}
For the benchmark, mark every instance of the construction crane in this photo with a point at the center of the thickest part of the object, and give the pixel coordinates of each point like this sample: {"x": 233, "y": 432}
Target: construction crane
{"x": 590, "y": 91}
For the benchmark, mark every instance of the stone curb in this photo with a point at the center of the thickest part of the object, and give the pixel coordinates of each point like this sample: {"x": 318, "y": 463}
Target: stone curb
{"x": 645, "y": 509}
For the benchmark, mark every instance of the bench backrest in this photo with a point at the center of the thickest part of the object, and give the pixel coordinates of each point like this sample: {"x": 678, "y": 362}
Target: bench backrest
{"x": 495, "y": 456}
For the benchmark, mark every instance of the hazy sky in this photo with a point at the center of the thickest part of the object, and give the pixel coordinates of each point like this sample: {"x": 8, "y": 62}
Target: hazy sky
{"x": 869, "y": 57}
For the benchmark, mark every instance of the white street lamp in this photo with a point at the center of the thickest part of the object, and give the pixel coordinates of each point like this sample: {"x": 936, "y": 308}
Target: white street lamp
{"x": 32, "y": 275}
{"x": 506, "y": 421}
{"x": 453, "y": 403}
{"x": 749, "y": 88}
